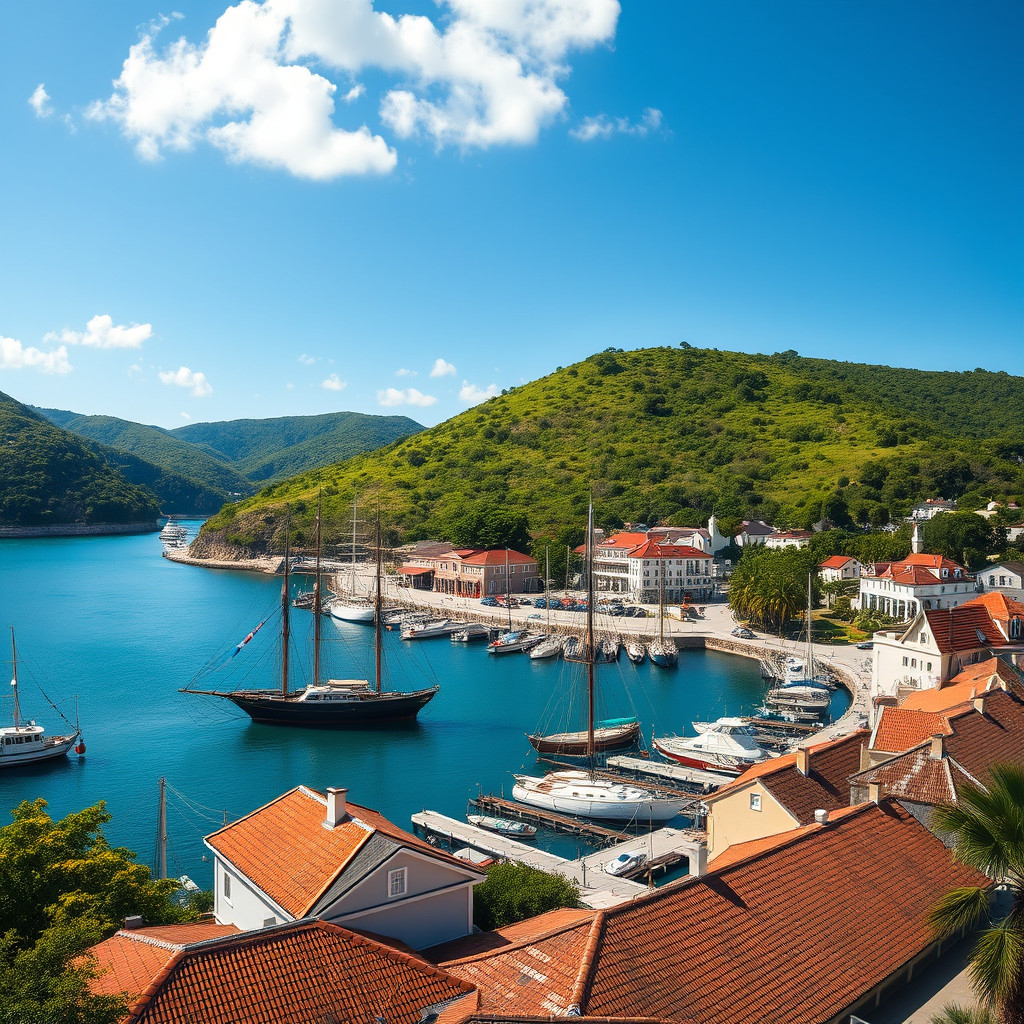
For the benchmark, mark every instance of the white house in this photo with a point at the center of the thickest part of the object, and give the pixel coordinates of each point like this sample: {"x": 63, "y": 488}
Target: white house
{"x": 901, "y": 589}
{"x": 930, "y": 508}
{"x": 1006, "y": 577}
{"x": 839, "y": 567}
{"x": 306, "y": 854}
{"x": 788, "y": 539}
{"x": 677, "y": 573}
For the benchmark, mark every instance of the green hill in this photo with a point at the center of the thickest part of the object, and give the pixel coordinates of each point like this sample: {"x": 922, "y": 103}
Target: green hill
{"x": 674, "y": 434}
{"x": 273, "y": 449}
{"x": 178, "y": 495}
{"x": 49, "y": 476}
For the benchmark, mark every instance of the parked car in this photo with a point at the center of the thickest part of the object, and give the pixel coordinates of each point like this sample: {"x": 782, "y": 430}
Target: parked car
{"x": 743, "y": 633}
{"x": 867, "y": 645}
{"x": 625, "y": 862}
{"x": 491, "y": 602}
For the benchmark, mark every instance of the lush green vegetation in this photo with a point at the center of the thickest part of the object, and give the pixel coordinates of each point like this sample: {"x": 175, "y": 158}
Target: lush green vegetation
{"x": 768, "y": 588}
{"x": 62, "y": 889}
{"x": 514, "y": 892}
{"x": 49, "y": 476}
{"x": 987, "y": 826}
{"x": 177, "y": 494}
{"x": 674, "y": 434}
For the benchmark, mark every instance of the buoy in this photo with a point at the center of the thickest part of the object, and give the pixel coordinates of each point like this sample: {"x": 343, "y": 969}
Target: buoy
{"x": 80, "y": 748}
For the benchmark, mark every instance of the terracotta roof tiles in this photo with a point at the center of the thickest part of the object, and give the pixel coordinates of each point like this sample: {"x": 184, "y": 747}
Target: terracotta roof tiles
{"x": 966, "y": 627}
{"x": 993, "y": 673}
{"x": 901, "y": 728}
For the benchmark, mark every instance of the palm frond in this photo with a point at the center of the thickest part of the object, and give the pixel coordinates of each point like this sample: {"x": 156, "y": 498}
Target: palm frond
{"x": 961, "y": 908}
{"x": 997, "y": 963}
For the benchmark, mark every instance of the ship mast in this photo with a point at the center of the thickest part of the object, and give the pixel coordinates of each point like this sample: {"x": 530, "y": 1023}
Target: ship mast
{"x": 377, "y": 606}
{"x": 317, "y": 598}
{"x": 591, "y": 652}
{"x": 285, "y": 632}
{"x": 14, "y": 680}
{"x": 508, "y": 589}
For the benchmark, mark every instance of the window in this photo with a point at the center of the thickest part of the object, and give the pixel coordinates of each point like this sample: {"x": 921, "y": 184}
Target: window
{"x": 396, "y": 882}
{"x": 755, "y": 801}
{"x": 929, "y": 667}
{"x": 913, "y": 662}
{"x": 924, "y": 638}
{"x": 905, "y": 661}
{"x": 227, "y": 887}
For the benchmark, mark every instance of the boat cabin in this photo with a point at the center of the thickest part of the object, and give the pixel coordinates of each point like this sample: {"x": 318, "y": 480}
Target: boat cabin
{"x": 337, "y": 690}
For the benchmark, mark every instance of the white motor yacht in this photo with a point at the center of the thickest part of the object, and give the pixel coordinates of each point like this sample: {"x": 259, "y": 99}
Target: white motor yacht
{"x": 577, "y": 792}
{"x": 725, "y": 745}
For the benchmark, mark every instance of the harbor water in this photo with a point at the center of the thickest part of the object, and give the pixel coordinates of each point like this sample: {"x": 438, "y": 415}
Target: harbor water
{"x": 109, "y": 622}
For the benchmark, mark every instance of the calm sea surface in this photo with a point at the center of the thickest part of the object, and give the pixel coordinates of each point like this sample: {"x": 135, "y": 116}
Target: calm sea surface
{"x": 110, "y": 621}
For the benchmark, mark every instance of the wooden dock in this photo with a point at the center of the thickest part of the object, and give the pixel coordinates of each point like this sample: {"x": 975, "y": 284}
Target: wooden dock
{"x": 682, "y": 776}
{"x": 490, "y": 804}
{"x": 791, "y": 728}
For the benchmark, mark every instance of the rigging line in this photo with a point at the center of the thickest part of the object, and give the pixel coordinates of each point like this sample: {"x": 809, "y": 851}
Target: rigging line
{"x": 195, "y": 828}
{"x": 194, "y": 804}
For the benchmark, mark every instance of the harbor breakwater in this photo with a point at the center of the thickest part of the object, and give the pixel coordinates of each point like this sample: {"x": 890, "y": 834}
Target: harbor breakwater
{"x": 77, "y": 530}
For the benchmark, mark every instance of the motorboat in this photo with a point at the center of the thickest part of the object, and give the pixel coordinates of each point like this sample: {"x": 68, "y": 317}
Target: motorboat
{"x": 26, "y": 742}
{"x": 427, "y": 630}
{"x": 725, "y": 745}
{"x": 635, "y": 651}
{"x": 471, "y": 633}
{"x": 503, "y": 826}
{"x": 579, "y": 792}
{"x": 516, "y": 640}
{"x": 625, "y": 863}
{"x": 549, "y": 647}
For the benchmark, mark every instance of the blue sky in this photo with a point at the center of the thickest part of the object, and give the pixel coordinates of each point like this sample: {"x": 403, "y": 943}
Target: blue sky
{"x": 301, "y": 206}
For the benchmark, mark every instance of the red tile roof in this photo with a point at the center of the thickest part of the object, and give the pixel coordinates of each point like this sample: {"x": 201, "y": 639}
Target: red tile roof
{"x": 497, "y": 557}
{"x": 793, "y": 934}
{"x": 993, "y": 673}
{"x": 836, "y": 562}
{"x": 999, "y": 607}
{"x": 652, "y": 549}
{"x": 295, "y": 974}
{"x": 623, "y": 540}
{"x": 964, "y": 628}
{"x": 901, "y": 728}
{"x": 284, "y": 849}
{"x": 129, "y": 960}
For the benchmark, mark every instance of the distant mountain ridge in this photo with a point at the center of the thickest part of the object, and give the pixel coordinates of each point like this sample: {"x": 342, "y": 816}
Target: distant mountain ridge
{"x": 675, "y": 434}
{"x": 196, "y": 468}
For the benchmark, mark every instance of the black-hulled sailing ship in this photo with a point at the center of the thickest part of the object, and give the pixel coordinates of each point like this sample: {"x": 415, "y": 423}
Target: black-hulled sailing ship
{"x": 328, "y": 703}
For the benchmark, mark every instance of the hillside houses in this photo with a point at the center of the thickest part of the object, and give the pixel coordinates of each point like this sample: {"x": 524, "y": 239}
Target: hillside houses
{"x": 839, "y": 568}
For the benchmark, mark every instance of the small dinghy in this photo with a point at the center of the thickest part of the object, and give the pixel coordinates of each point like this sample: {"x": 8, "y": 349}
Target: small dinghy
{"x": 503, "y": 826}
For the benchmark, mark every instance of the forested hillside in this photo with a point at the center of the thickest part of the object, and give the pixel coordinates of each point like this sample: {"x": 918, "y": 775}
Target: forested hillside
{"x": 272, "y": 449}
{"x": 49, "y": 476}
{"x": 676, "y": 433}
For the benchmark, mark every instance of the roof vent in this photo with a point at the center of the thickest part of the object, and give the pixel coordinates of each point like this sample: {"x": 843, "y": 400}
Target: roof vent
{"x": 135, "y": 921}
{"x": 821, "y": 816}
{"x": 803, "y": 761}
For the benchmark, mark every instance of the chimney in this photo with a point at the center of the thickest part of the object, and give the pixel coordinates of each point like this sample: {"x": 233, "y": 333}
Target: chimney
{"x": 874, "y": 792}
{"x": 135, "y": 921}
{"x": 937, "y": 751}
{"x": 979, "y": 704}
{"x": 821, "y": 816}
{"x": 335, "y": 806}
{"x": 698, "y": 861}
{"x": 803, "y": 761}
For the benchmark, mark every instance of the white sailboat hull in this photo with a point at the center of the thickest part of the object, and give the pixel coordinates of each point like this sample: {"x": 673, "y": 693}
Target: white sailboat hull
{"x": 574, "y": 792}
{"x": 352, "y": 612}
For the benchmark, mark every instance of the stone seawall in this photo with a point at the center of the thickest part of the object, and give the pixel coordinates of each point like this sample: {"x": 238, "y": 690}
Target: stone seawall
{"x": 77, "y": 530}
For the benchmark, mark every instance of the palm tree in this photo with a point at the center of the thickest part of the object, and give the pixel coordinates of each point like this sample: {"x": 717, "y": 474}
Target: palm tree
{"x": 987, "y": 830}
{"x": 952, "y": 1013}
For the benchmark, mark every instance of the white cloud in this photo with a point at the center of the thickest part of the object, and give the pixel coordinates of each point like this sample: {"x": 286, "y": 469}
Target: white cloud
{"x": 183, "y": 377}
{"x": 603, "y": 126}
{"x": 102, "y": 332}
{"x": 334, "y": 383}
{"x": 473, "y": 395}
{"x": 39, "y": 101}
{"x": 442, "y": 369}
{"x": 15, "y": 356}
{"x": 307, "y": 360}
{"x": 485, "y": 72}
{"x": 410, "y": 396}
{"x": 403, "y": 372}
{"x": 184, "y": 416}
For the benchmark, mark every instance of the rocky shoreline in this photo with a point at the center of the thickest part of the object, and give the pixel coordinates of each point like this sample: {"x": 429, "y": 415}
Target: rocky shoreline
{"x": 77, "y": 530}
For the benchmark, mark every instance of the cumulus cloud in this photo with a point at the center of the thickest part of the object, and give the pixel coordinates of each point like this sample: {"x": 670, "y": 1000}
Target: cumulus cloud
{"x": 409, "y": 396}
{"x": 102, "y": 332}
{"x": 442, "y": 369}
{"x": 39, "y": 101}
{"x": 307, "y": 360}
{"x": 403, "y": 372}
{"x": 15, "y": 356}
{"x": 604, "y": 127}
{"x": 334, "y": 383}
{"x": 183, "y": 377}
{"x": 481, "y": 73}
{"x": 473, "y": 395}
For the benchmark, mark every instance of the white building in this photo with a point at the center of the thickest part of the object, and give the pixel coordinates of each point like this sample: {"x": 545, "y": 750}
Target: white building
{"x": 310, "y": 855}
{"x": 670, "y": 571}
{"x": 930, "y": 508}
{"x": 920, "y": 582}
{"x": 1006, "y": 577}
{"x": 839, "y": 567}
{"x": 788, "y": 539}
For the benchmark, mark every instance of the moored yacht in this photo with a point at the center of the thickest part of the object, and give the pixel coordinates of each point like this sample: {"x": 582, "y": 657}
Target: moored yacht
{"x": 725, "y": 745}
{"x": 580, "y": 793}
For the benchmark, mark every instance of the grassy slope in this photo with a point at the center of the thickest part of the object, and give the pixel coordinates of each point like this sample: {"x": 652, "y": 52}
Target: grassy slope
{"x": 654, "y": 431}
{"x": 50, "y": 476}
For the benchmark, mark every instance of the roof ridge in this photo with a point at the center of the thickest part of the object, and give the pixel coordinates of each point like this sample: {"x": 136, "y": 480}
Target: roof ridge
{"x": 581, "y": 987}
{"x": 256, "y": 810}
{"x": 149, "y": 940}
{"x": 530, "y": 940}
{"x": 368, "y": 833}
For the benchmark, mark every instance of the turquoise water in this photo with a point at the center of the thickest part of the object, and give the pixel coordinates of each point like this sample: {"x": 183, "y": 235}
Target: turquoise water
{"x": 111, "y": 621}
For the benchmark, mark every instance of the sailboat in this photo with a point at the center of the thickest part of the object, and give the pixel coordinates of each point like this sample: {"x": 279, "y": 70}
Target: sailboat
{"x": 329, "y": 703}
{"x": 349, "y": 607}
{"x": 27, "y": 742}
{"x": 801, "y": 690}
{"x": 663, "y": 653}
{"x": 582, "y": 792}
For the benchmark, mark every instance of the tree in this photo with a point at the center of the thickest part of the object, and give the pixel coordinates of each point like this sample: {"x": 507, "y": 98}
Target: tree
{"x": 964, "y": 537}
{"x": 987, "y": 830}
{"x": 952, "y": 1013}
{"x": 770, "y": 587}
{"x": 514, "y": 892}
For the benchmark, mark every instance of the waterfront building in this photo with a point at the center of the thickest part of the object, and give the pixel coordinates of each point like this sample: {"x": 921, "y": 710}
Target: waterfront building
{"x": 783, "y": 792}
{"x": 307, "y": 854}
{"x": 920, "y": 581}
{"x": 839, "y": 567}
{"x": 669, "y": 572}
{"x": 473, "y": 572}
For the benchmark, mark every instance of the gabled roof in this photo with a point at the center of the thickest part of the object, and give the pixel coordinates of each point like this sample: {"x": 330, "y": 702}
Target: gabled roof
{"x": 966, "y": 627}
{"x": 622, "y": 540}
{"x": 991, "y": 674}
{"x": 901, "y": 728}
{"x": 1000, "y": 608}
{"x": 497, "y": 557}
{"x": 975, "y": 741}
{"x": 128, "y": 961}
{"x": 1017, "y": 568}
{"x": 825, "y": 787}
{"x": 781, "y": 934}
{"x": 652, "y": 549}
{"x": 300, "y": 972}
{"x": 286, "y": 851}
{"x": 757, "y": 528}
{"x": 934, "y": 562}
{"x": 836, "y": 562}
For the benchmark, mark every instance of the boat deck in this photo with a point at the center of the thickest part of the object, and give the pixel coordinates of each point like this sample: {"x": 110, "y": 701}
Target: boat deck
{"x": 678, "y": 773}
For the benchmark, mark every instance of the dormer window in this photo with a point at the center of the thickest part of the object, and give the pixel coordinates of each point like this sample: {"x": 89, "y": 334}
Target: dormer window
{"x": 945, "y": 574}
{"x": 1015, "y": 628}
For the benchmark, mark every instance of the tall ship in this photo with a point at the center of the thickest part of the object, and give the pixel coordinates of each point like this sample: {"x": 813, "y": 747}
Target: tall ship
{"x": 327, "y": 703}
{"x": 26, "y": 742}
{"x": 662, "y": 651}
{"x": 725, "y": 745}
{"x": 349, "y": 606}
{"x": 582, "y": 792}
